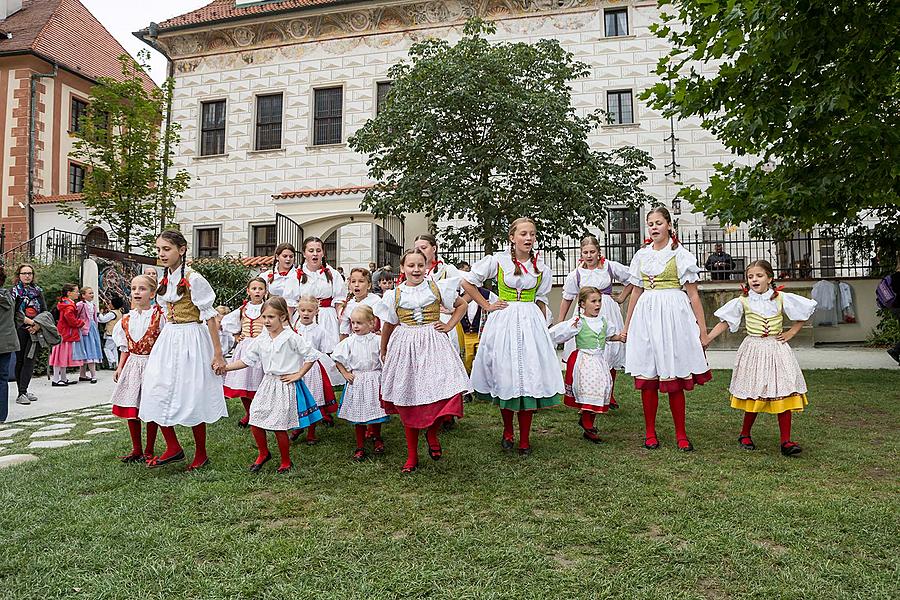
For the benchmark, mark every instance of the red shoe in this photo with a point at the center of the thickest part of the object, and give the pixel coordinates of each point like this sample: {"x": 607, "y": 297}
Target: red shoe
{"x": 359, "y": 455}
{"x": 284, "y": 468}
{"x": 379, "y": 446}
{"x": 591, "y": 435}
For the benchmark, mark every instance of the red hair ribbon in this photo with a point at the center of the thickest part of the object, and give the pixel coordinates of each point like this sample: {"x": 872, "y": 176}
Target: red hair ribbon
{"x": 434, "y": 266}
{"x": 647, "y": 241}
{"x": 777, "y": 289}
{"x": 184, "y": 282}
{"x": 602, "y": 260}
{"x": 745, "y": 290}
{"x": 165, "y": 281}
{"x": 272, "y": 276}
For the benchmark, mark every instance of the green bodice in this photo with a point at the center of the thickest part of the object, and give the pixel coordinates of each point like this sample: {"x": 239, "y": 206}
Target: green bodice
{"x": 588, "y": 339}
{"x": 513, "y": 295}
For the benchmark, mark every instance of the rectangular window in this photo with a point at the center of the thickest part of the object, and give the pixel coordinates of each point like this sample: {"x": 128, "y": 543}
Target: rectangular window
{"x": 268, "y": 121}
{"x": 620, "y": 107}
{"x": 79, "y": 110}
{"x": 624, "y": 234}
{"x": 264, "y": 240}
{"x": 208, "y": 242}
{"x": 327, "y": 126}
{"x": 616, "y": 22}
{"x": 212, "y": 128}
{"x": 76, "y": 178}
{"x": 381, "y": 94}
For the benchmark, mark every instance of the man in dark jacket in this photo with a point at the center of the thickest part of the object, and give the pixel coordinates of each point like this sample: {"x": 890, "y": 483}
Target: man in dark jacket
{"x": 720, "y": 264}
{"x": 10, "y": 319}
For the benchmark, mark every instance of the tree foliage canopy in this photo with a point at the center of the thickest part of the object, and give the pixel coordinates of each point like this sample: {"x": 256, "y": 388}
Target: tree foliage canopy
{"x": 122, "y": 143}
{"x": 811, "y": 85}
{"x": 481, "y": 133}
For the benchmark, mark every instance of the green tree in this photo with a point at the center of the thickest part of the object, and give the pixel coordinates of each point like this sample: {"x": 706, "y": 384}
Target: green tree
{"x": 812, "y": 87}
{"x": 123, "y": 143}
{"x": 483, "y": 133}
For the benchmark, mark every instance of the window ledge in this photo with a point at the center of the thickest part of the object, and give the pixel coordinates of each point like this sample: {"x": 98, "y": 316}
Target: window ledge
{"x": 327, "y": 146}
{"x": 621, "y": 126}
{"x": 266, "y": 151}
{"x": 210, "y": 156}
{"x": 606, "y": 38}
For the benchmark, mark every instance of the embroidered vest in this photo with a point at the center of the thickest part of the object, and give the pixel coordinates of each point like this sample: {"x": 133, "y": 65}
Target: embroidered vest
{"x": 667, "y": 280}
{"x": 250, "y": 328}
{"x": 145, "y": 344}
{"x": 588, "y": 339}
{"x": 760, "y": 326}
{"x": 184, "y": 310}
{"x": 112, "y": 324}
{"x": 513, "y": 295}
{"x": 430, "y": 313}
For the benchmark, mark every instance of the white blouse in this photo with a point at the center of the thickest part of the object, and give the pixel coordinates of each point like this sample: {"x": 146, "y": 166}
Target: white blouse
{"x": 416, "y": 298}
{"x": 313, "y": 333}
{"x": 371, "y": 300}
{"x": 231, "y": 323}
{"x": 284, "y": 285}
{"x": 488, "y": 267}
{"x": 282, "y": 355}
{"x": 317, "y": 285}
{"x": 796, "y": 308}
{"x": 565, "y": 331}
{"x": 444, "y": 271}
{"x": 648, "y": 261}
{"x": 359, "y": 352}
{"x": 601, "y": 278}
{"x": 138, "y": 324}
{"x": 202, "y": 294}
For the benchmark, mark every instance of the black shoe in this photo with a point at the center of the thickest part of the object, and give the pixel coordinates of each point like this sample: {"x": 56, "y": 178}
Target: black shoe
{"x": 506, "y": 444}
{"x": 895, "y": 354}
{"x": 60, "y": 383}
{"x": 525, "y": 451}
{"x": 448, "y": 424}
{"x": 746, "y": 442}
{"x": 84, "y": 378}
{"x": 654, "y": 445}
{"x": 256, "y": 467}
{"x": 688, "y": 448}
{"x": 790, "y": 449}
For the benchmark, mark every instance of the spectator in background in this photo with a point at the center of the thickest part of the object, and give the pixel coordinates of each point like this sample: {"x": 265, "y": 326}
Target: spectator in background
{"x": 895, "y": 310}
{"x": 720, "y": 264}
{"x": 384, "y": 281}
{"x": 30, "y": 302}
{"x": 9, "y": 341}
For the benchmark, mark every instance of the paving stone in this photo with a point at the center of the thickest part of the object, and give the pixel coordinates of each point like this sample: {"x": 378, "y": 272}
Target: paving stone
{"x": 16, "y": 459}
{"x": 68, "y": 425}
{"x": 115, "y": 421}
{"x": 31, "y": 423}
{"x": 8, "y": 433}
{"x": 100, "y": 417}
{"x": 60, "y": 419}
{"x": 50, "y": 433}
{"x": 56, "y": 443}
{"x": 97, "y": 430}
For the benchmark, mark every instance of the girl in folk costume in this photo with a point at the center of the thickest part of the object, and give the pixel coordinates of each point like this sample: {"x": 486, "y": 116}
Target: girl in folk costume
{"x": 321, "y": 379}
{"x": 665, "y": 329}
{"x": 69, "y": 326}
{"x": 437, "y": 270}
{"x": 597, "y": 271}
{"x": 88, "y": 349}
{"x": 319, "y": 280}
{"x": 516, "y": 366}
{"x": 588, "y": 379}
{"x": 246, "y": 325}
{"x": 360, "y": 284}
{"x": 424, "y": 378}
{"x": 766, "y": 376}
{"x": 358, "y": 358}
{"x": 181, "y": 386}
{"x": 283, "y": 276}
{"x": 282, "y": 402}
{"x": 109, "y": 319}
{"x": 135, "y": 334}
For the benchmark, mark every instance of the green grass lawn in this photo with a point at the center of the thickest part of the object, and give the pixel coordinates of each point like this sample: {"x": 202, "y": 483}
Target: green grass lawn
{"x": 574, "y": 520}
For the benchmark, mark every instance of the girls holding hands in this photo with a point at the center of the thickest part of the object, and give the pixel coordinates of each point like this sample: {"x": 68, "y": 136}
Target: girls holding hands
{"x": 245, "y": 324}
{"x": 766, "y": 376}
{"x": 516, "y": 366}
{"x": 665, "y": 329}
{"x": 136, "y": 333}
{"x": 180, "y": 385}
{"x": 358, "y": 358}
{"x": 317, "y": 279}
{"x": 282, "y": 402}
{"x": 424, "y": 378}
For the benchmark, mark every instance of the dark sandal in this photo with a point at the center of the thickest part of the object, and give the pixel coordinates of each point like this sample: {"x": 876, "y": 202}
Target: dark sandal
{"x": 688, "y": 448}
{"x": 257, "y": 466}
{"x": 157, "y": 461}
{"x": 748, "y": 445}
{"x": 192, "y": 468}
{"x": 613, "y": 405}
{"x": 525, "y": 451}
{"x": 790, "y": 449}
{"x": 406, "y": 469}
{"x": 379, "y": 446}
{"x": 591, "y": 435}
{"x": 506, "y": 444}
{"x": 133, "y": 458}
{"x": 359, "y": 455}
{"x": 283, "y": 470}
{"x": 654, "y": 445}
{"x": 312, "y": 441}
{"x": 435, "y": 453}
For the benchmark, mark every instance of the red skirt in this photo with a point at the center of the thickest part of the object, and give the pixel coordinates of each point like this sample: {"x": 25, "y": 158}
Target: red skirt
{"x": 426, "y": 415}
{"x": 673, "y": 385}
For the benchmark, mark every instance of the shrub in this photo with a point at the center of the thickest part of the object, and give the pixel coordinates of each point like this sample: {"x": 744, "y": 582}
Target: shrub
{"x": 227, "y": 276}
{"x": 51, "y": 277}
{"x": 887, "y": 332}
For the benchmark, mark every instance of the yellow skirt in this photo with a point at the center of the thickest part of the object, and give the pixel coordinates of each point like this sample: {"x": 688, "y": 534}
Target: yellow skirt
{"x": 773, "y": 406}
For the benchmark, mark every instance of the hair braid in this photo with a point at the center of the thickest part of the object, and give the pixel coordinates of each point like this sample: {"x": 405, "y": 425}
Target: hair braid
{"x": 512, "y": 255}
{"x": 182, "y": 282}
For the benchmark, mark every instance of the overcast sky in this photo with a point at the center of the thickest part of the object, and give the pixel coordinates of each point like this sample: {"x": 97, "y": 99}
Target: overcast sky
{"x": 122, "y": 22}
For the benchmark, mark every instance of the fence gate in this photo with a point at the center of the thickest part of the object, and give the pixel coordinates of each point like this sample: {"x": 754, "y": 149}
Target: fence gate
{"x": 288, "y": 231}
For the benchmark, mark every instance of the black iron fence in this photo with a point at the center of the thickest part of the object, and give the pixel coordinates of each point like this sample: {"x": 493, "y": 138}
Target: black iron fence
{"x": 811, "y": 255}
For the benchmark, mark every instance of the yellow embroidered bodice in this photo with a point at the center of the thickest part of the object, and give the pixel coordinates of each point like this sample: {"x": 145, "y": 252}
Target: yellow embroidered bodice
{"x": 430, "y": 313}
{"x": 760, "y": 326}
{"x": 666, "y": 280}
{"x": 183, "y": 310}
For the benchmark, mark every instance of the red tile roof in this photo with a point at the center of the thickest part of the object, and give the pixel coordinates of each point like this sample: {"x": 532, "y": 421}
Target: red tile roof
{"x": 225, "y": 10}
{"x": 257, "y": 261}
{"x": 65, "y": 32}
{"x": 56, "y": 199}
{"x": 322, "y": 192}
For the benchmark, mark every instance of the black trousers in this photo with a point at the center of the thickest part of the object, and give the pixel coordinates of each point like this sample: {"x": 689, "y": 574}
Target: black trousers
{"x": 24, "y": 366}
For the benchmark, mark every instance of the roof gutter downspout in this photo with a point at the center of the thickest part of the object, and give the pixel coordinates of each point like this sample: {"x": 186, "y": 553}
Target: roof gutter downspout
{"x": 150, "y": 40}
{"x": 32, "y": 134}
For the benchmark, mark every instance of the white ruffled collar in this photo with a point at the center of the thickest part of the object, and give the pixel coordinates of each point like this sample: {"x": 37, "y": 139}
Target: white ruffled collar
{"x": 653, "y": 262}
{"x": 595, "y": 323}
{"x": 253, "y": 310}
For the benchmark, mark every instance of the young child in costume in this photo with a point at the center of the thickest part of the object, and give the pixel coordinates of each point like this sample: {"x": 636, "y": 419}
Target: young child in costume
{"x": 597, "y": 271}
{"x": 360, "y": 284}
{"x": 424, "y": 378}
{"x": 181, "y": 385}
{"x": 283, "y": 401}
{"x": 665, "y": 330}
{"x": 226, "y": 339}
{"x": 135, "y": 334}
{"x": 358, "y": 358}
{"x": 88, "y": 349}
{"x": 588, "y": 380}
{"x": 317, "y": 279}
{"x": 69, "y": 326}
{"x": 766, "y": 376}
{"x": 246, "y": 325}
{"x": 516, "y": 366}
{"x": 324, "y": 377}
{"x": 282, "y": 279}
{"x": 109, "y": 319}
{"x": 438, "y": 270}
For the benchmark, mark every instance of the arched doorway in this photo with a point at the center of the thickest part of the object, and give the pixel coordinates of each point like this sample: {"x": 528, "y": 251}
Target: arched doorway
{"x": 96, "y": 237}
{"x": 357, "y": 244}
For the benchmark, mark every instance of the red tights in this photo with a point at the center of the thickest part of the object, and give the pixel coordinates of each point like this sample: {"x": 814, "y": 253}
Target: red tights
{"x": 587, "y": 420}
{"x": 173, "y": 446}
{"x": 284, "y": 445}
{"x": 525, "y": 418}
{"x": 134, "y": 430}
{"x": 246, "y": 402}
{"x": 784, "y": 425}
{"x": 412, "y": 443}
{"x": 650, "y": 400}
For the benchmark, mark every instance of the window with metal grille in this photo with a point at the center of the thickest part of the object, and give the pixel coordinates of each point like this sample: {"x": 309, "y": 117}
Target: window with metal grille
{"x": 327, "y": 125}
{"x": 381, "y": 94}
{"x": 207, "y": 242}
{"x": 76, "y": 178}
{"x": 264, "y": 240}
{"x": 623, "y": 234}
{"x": 268, "y": 121}
{"x": 212, "y": 128}
{"x": 616, "y": 22}
{"x": 619, "y": 105}
{"x": 79, "y": 110}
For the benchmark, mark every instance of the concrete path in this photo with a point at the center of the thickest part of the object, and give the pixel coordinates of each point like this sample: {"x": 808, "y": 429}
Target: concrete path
{"x": 53, "y": 400}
